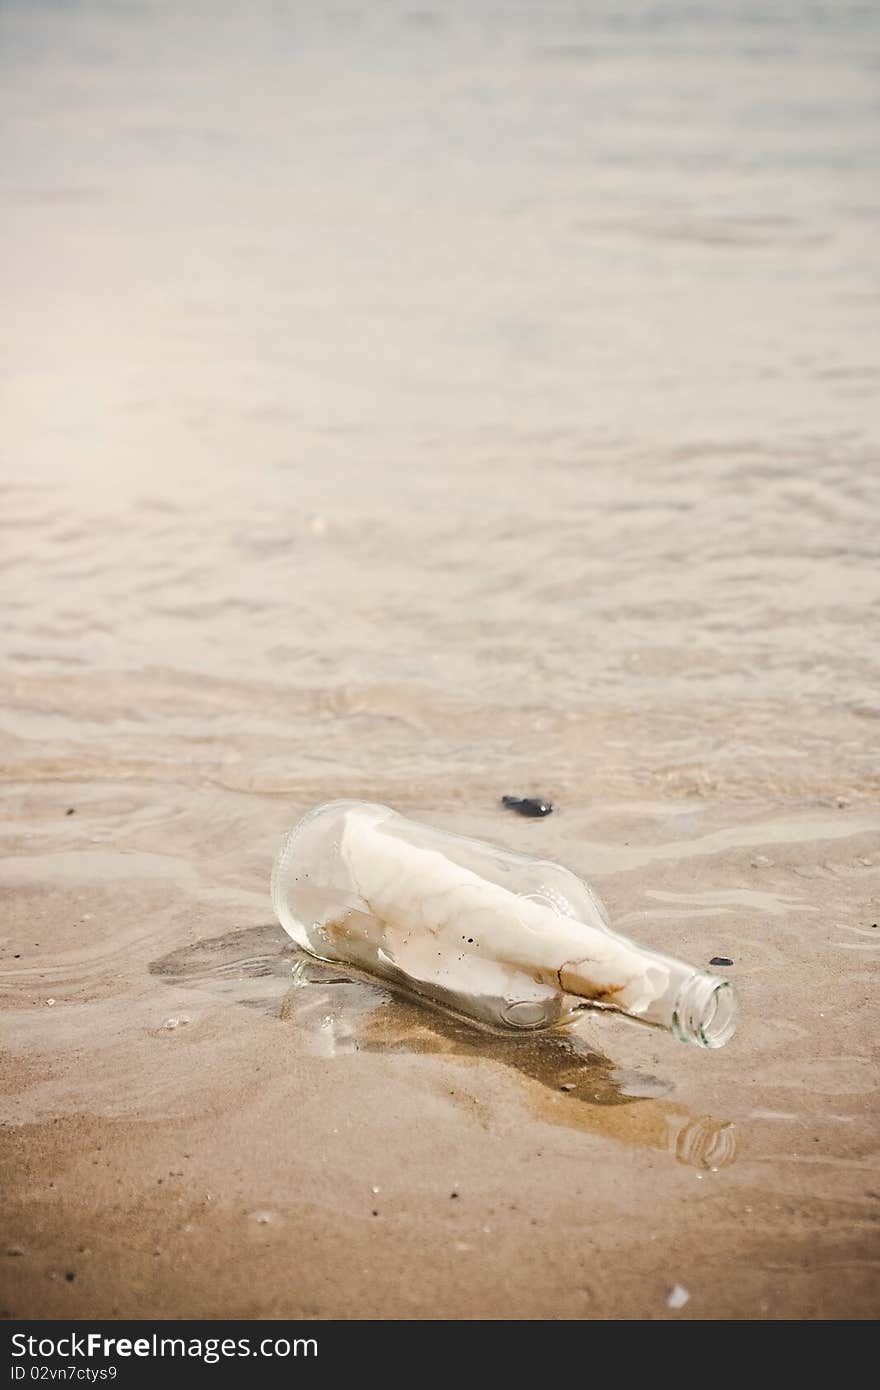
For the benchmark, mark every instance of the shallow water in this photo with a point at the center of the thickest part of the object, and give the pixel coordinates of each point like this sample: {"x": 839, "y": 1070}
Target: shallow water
{"x": 426, "y": 405}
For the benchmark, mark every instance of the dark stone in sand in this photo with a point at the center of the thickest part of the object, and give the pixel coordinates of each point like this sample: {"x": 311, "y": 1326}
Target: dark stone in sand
{"x": 71, "y": 811}
{"x": 528, "y": 805}
{"x": 721, "y": 960}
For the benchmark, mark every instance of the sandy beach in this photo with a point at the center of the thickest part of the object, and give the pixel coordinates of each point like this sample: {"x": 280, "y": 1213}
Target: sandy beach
{"x": 424, "y": 406}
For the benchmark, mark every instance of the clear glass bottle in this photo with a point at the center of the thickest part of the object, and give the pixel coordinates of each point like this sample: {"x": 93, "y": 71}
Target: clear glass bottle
{"x": 500, "y": 937}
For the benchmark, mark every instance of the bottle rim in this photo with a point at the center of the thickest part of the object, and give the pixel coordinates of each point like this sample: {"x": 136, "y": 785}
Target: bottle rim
{"x": 705, "y": 1011}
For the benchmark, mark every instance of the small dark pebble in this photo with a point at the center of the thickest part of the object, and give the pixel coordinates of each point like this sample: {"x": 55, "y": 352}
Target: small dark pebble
{"x": 721, "y": 960}
{"x": 873, "y": 926}
{"x": 70, "y": 1276}
{"x": 71, "y": 811}
{"x": 452, "y": 1195}
{"x": 528, "y": 805}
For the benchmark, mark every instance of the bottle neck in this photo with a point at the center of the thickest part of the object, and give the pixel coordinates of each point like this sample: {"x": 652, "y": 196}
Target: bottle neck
{"x": 704, "y": 1011}
{"x": 694, "y": 1006}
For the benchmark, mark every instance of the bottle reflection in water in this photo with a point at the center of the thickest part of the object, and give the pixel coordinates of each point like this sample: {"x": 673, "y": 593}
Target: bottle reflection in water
{"x": 336, "y": 1013}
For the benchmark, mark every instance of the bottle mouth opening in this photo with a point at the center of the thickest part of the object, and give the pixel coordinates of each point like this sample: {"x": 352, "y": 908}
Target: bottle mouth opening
{"x": 705, "y": 1012}
{"x": 719, "y": 1022}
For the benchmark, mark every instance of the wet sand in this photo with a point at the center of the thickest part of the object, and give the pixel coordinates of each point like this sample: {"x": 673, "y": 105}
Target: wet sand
{"x": 469, "y": 407}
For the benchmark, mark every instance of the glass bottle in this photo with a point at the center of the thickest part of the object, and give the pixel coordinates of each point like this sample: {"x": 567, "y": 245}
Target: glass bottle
{"x": 502, "y": 938}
